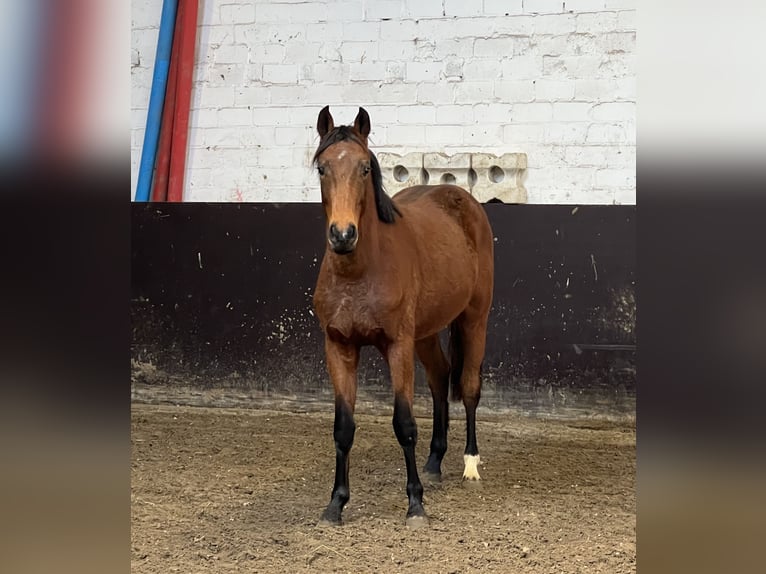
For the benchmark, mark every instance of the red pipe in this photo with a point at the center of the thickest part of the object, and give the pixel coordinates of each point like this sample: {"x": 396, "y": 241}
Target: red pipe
{"x": 183, "y": 99}
{"x": 162, "y": 174}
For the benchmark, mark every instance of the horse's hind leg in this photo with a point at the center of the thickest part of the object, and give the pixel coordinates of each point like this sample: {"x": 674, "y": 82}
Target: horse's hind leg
{"x": 342, "y": 361}
{"x": 473, "y": 332}
{"x": 430, "y": 353}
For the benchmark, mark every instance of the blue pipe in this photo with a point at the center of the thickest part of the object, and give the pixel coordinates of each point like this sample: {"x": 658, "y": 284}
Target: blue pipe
{"x": 156, "y": 100}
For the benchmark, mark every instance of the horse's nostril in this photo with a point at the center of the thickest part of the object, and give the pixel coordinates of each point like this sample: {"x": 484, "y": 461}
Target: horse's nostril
{"x": 350, "y": 232}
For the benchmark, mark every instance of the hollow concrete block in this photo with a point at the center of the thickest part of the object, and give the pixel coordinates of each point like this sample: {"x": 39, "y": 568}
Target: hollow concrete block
{"x": 499, "y": 177}
{"x": 443, "y": 168}
{"x": 400, "y": 171}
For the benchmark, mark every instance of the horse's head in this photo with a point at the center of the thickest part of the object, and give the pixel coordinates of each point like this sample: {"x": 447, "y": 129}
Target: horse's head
{"x": 344, "y": 165}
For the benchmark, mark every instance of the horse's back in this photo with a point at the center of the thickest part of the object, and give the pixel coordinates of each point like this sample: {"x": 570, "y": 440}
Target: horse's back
{"x": 422, "y": 201}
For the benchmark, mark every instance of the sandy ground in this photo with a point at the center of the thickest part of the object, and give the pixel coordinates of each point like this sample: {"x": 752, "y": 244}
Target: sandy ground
{"x": 235, "y": 490}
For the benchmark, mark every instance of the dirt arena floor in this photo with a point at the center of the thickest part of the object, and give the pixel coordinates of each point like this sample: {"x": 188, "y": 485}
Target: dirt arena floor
{"x": 235, "y": 490}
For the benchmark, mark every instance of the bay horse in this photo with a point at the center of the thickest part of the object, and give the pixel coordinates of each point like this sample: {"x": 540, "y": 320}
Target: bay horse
{"x": 397, "y": 271}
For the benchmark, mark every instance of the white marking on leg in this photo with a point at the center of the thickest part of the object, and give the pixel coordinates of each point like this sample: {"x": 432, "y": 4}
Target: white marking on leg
{"x": 471, "y": 471}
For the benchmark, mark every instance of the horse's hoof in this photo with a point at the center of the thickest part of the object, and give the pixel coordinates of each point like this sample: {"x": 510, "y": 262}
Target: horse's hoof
{"x": 330, "y": 517}
{"x": 432, "y": 477}
{"x": 417, "y": 521}
{"x": 325, "y": 522}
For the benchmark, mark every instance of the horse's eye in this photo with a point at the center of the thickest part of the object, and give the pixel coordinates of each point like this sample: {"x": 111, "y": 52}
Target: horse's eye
{"x": 320, "y": 169}
{"x": 366, "y": 169}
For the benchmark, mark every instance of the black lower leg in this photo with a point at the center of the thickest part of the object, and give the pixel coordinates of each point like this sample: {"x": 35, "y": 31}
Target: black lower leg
{"x": 470, "y": 425}
{"x": 439, "y": 438}
{"x": 406, "y": 431}
{"x": 344, "y": 438}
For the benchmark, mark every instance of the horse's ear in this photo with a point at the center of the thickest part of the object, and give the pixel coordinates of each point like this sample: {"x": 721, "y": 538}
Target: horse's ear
{"x": 324, "y": 122}
{"x": 362, "y": 123}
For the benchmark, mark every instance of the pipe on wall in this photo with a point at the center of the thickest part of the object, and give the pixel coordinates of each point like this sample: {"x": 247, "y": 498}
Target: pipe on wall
{"x": 156, "y": 97}
{"x": 162, "y": 171}
{"x": 183, "y": 100}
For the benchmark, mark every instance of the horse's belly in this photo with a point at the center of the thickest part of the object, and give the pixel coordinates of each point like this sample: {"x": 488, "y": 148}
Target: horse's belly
{"x": 446, "y": 289}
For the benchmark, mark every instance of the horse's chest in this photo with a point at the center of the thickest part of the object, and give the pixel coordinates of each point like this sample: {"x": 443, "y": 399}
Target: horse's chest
{"x": 356, "y": 316}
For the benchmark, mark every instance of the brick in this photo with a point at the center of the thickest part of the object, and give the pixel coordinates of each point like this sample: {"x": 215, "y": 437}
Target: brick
{"x": 398, "y": 30}
{"x": 606, "y": 133}
{"x": 301, "y": 52}
{"x": 345, "y": 11}
{"x": 271, "y": 116}
{"x": 330, "y": 72}
{"x": 290, "y": 135}
{"x": 596, "y": 23}
{"x": 396, "y": 50}
{"x": 472, "y": 92}
{"x": 367, "y": 71}
{"x": 515, "y": 25}
{"x": 383, "y": 9}
{"x": 210, "y": 97}
{"x": 358, "y": 51}
{"x": 533, "y": 112}
{"x": 515, "y": 91}
{"x": 234, "y": 117}
{"x": 221, "y": 137}
{"x": 615, "y": 111}
{"x": 404, "y": 135}
{"x": 304, "y": 12}
{"x": 324, "y": 31}
{"x": 438, "y": 93}
{"x": 484, "y": 135}
{"x": 417, "y": 115}
{"x": 231, "y": 54}
{"x": 567, "y": 133}
{"x": 615, "y": 178}
{"x": 555, "y": 24}
{"x": 463, "y": 7}
{"x": 237, "y": 13}
{"x": 422, "y": 72}
{"x": 503, "y": 7}
{"x": 360, "y": 31}
{"x": 543, "y": 6}
{"x": 525, "y": 67}
{"x": 492, "y": 113}
{"x": 444, "y": 134}
{"x": 423, "y": 8}
{"x": 453, "y": 114}
{"x": 460, "y": 47}
{"x": 571, "y": 111}
{"x": 280, "y": 73}
{"x": 452, "y": 69}
{"x": 585, "y": 5}
{"x": 493, "y": 47}
{"x": 522, "y": 133}
{"x": 554, "y": 90}
{"x": 251, "y": 96}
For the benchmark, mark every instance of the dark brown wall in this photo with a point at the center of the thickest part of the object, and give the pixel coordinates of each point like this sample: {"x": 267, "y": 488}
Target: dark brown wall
{"x": 221, "y": 297}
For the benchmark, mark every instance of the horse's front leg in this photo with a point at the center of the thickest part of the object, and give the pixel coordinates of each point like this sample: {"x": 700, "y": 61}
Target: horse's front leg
{"x": 342, "y": 361}
{"x": 401, "y": 361}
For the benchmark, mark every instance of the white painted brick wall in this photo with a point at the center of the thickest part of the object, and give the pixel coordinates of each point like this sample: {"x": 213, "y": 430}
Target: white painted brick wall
{"x": 554, "y": 79}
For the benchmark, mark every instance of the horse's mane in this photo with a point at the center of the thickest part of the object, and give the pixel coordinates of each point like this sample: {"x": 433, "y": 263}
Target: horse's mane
{"x": 385, "y": 207}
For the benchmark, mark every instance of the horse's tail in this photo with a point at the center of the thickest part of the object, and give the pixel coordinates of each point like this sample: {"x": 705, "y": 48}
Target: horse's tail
{"x": 456, "y": 360}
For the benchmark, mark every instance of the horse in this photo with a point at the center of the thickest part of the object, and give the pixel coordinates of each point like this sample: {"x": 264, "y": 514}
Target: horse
{"x": 395, "y": 272}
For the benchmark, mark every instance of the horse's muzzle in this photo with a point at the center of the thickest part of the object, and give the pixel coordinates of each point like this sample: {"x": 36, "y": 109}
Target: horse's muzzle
{"x": 342, "y": 241}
